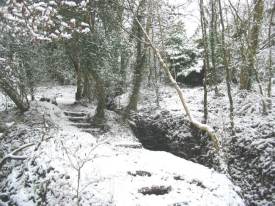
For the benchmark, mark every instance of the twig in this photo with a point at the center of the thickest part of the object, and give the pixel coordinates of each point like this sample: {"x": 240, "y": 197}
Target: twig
{"x": 13, "y": 155}
{"x": 46, "y": 129}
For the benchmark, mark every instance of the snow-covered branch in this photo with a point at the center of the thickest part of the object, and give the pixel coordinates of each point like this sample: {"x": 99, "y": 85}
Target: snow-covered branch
{"x": 203, "y": 127}
{"x": 13, "y": 155}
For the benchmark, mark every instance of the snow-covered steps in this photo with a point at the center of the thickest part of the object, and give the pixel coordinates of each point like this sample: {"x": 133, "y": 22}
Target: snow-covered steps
{"x": 81, "y": 120}
{"x": 78, "y": 119}
{"x": 75, "y": 114}
{"x": 82, "y": 125}
{"x": 92, "y": 130}
{"x": 133, "y": 145}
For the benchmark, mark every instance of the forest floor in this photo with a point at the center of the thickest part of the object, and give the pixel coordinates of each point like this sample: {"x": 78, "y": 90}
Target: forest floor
{"x": 71, "y": 163}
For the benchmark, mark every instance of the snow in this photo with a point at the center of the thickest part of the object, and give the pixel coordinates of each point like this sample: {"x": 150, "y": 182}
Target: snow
{"x": 254, "y": 131}
{"x": 54, "y": 36}
{"x": 190, "y": 17}
{"x": 164, "y": 173}
{"x": 5, "y": 102}
{"x": 9, "y": 124}
{"x": 111, "y": 167}
{"x": 85, "y": 31}
{"x": 64, "y": 24}
{"x": 107, "y": 164}
{"x": 66, "y": 35}
{"x": 197, "y": 68}
{"x": 84, "y": 24}
{"x": 109, "y": 160}
{"x": 73, "y": 21}
{"x": 69, "y": 3}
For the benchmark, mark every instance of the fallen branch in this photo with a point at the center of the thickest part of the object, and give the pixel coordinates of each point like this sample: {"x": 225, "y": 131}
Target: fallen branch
{"x": 13, "y": 155}
{"x": 200, "y": 126}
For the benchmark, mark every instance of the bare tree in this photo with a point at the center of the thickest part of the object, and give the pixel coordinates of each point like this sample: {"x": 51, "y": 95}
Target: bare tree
{"x": 206, "y": 64}
{"x": 226, "y": 65}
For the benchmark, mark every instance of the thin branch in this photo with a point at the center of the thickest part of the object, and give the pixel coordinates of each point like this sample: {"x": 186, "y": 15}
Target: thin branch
{"x": 197, "y": 124}
{"x": 13, "y": 155}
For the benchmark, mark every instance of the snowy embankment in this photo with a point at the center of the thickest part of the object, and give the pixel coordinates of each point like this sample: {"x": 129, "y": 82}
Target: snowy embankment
{"x": 249, "y": 152}
{"x": 99, "y": 169}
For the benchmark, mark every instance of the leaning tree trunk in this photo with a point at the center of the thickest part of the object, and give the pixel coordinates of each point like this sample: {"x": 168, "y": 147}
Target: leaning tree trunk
{"x": 20, "y": 101}
{"x": 203, "y": 127}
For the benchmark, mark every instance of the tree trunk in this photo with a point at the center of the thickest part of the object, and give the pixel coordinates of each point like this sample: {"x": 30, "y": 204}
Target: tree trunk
{"x": 79, "y": 86}
{"x": 156, "y": 84}
{"x": 2, "y": 127}
{"x": 156, "y": 74}
{"x": 253, "y": 41}
{"x": 138, "y": 76}
{"x": 99, "y": 117}
{"x": 226, "y": 65}
{"x": 86, "y": 85}
{"x": 213, "y": 30}
{"x": 206, "y": 60}
{"x": 269, "y": 87}
{"x": 73, "y": 51}
{"x": 30, "y": 82}
{"x": 20, "y": 101}
{"x": 124, "y": 60}
{"x": 141, "y": 49}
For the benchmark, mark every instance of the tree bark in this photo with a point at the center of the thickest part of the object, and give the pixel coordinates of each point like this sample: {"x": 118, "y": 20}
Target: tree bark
{"x": 86, "y": 85}
{"x": 253, "y": 41}
{"x": 99, "y": 117}
{"x": 78, "y": 73}
{"x": 269, "y": 87}
{"x": 206, "y": 64}
{"x": 138, "y": 76}
{"x": 141, "y": 50}
{"x": 20, "y": 101}
{"x": 156, "y": 74}
{"x": 73, "y": 51}
{"x": 213, "y": 30}
{"x": 226, "y": 65}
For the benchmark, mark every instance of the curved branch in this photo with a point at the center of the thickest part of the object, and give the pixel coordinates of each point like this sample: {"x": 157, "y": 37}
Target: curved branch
{"x": 13, "y": 155}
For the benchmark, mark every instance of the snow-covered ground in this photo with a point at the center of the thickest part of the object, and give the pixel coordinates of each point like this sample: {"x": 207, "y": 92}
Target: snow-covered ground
{"x": 249, "y": 153}
{"x": 5, "y": 102}
{"x": 108, "y": 169}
